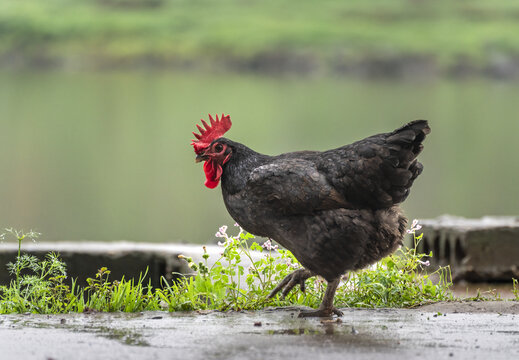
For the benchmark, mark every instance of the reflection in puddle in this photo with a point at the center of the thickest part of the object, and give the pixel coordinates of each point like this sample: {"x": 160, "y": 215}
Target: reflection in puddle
{"x": 296, "y": 331}
{"x": 124, "y": 336}
{"x": 323, "y": 329}
{"x": 337, "y": 333}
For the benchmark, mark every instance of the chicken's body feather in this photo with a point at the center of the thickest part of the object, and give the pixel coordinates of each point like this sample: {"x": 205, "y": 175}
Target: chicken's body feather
{"x": 336, "y": 210}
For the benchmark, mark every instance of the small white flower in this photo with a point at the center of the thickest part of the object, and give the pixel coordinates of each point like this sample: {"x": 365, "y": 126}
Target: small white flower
{"x": 268, "y": 245}
{"x": 241, "y": 230}
{"x": 424, "y": 263}
{"x": 318, "y": 283}
{"x": 414, "y": 227}
{"x": 290, "y": 264}
{"x": 225, "y": 243}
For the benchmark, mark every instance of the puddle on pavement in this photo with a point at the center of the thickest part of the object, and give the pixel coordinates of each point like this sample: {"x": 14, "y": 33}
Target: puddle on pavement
{"x": 84, "y": 325}
{"x": 124, "y": 336}
{"x": 336, "y": 334}
{"x": 324, "y": 330}
{"x": 297, "y": 331}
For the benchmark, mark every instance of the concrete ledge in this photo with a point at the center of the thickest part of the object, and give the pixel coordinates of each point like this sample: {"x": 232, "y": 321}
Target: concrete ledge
{"x": 485, "y": 249}
{"x": 126, "y": 259}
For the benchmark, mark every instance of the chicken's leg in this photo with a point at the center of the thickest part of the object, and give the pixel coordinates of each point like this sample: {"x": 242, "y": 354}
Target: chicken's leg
{"x": 291, "y": 280}
{"x": 326, "y": 308}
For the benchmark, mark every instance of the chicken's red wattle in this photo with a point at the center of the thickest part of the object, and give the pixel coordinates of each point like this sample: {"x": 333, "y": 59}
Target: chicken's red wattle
{"x": 213, "y": 172}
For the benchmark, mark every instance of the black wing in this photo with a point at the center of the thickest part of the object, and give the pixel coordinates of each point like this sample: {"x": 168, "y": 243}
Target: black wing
{"x": 292, "y": 186}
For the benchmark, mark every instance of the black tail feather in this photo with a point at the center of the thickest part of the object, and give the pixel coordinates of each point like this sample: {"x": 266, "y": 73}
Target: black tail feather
{"x": 404, "y": 146}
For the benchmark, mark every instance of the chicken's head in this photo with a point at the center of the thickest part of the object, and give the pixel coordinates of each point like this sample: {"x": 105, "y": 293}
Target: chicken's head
{"x": 208, "y": 148}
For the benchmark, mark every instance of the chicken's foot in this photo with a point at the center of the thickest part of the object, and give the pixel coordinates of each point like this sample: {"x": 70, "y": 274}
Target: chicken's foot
{"x": 291, "y": 280}
{"x": 326, "y": 309}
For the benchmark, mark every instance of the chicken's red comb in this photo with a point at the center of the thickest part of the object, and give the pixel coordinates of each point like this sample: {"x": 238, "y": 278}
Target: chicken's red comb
{"x": 217, "y": 128}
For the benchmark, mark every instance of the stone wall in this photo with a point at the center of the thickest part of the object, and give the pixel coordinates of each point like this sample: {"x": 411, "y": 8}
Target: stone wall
{"x": 485, "y": 249}
{"x": 126, "y": 259}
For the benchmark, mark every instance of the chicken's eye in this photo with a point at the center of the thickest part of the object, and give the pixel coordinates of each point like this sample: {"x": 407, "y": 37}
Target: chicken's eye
{"x": 218, "y": 147}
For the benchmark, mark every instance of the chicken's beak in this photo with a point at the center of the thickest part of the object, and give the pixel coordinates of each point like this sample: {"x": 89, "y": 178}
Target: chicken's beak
{"x": 201, "y": 157}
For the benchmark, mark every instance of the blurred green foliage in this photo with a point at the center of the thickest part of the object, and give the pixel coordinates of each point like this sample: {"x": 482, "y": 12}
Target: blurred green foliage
{"x": 203, "y": 31}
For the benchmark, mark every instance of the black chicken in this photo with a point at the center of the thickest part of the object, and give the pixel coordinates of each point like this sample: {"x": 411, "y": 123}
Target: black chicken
{"x": 335, "y": 210}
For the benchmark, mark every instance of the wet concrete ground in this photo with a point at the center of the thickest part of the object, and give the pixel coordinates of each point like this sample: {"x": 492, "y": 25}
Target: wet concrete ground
{"x": 478, "y": 330}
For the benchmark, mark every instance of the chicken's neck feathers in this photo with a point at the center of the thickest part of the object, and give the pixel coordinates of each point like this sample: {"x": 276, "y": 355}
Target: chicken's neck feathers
{"x": 242, "y": 162}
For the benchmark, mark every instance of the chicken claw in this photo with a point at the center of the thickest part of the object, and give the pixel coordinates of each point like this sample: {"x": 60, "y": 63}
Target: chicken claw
{"x": 291, "y": 280}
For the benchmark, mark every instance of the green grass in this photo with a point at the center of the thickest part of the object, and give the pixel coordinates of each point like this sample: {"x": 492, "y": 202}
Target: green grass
{"x": 330, "y": 31}
{"x": 515, "y": 289}
{"x": 396, "y": 281}
{"x": 41, "y": 286}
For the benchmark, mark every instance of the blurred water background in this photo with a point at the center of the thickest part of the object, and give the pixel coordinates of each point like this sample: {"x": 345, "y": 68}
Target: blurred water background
{"x": 98, "y": 100}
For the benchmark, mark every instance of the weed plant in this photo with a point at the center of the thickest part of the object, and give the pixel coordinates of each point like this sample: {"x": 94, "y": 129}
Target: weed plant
{"x": 398, "y": 280}
{"x": 238, "y": 279}
{"x": 40, "y": 286}
{"x": 119, "y": 295}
